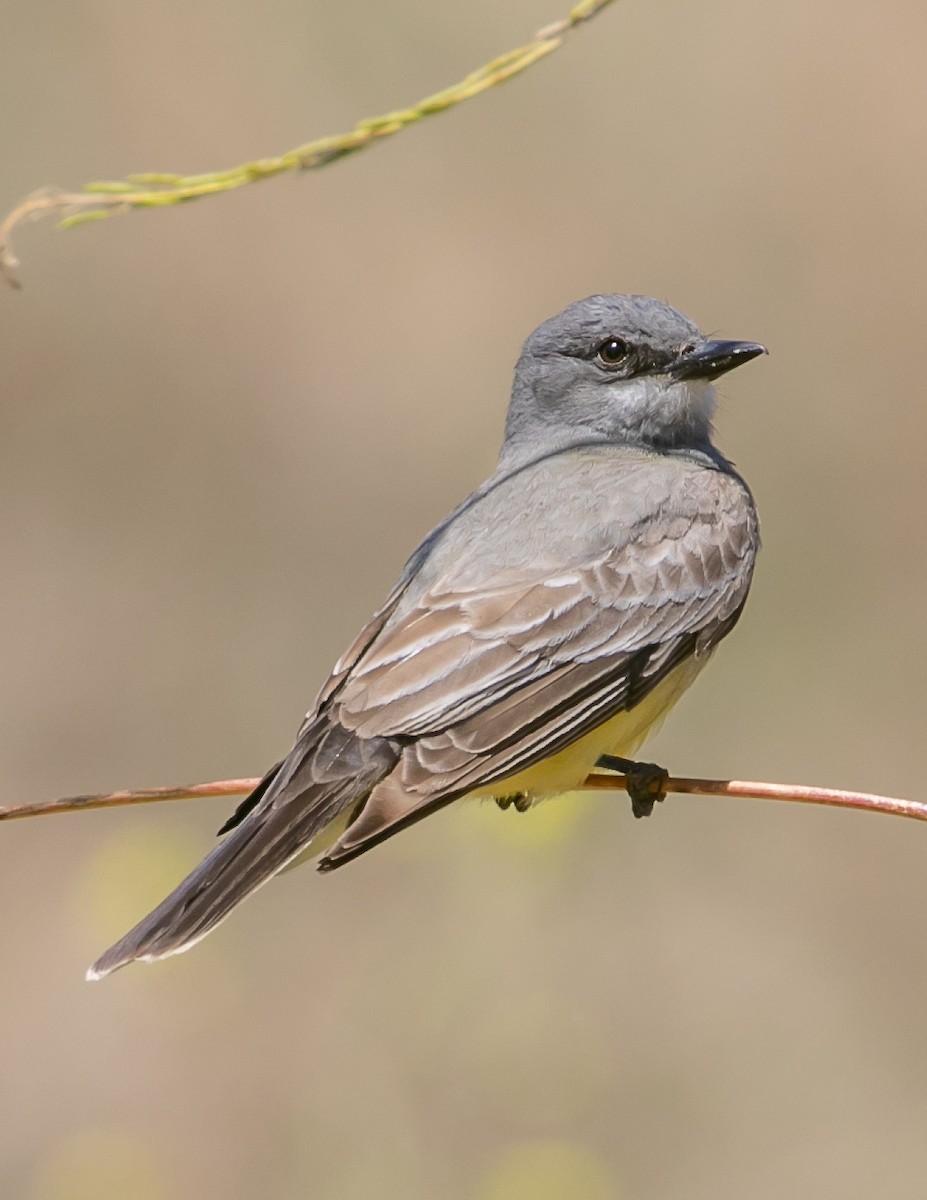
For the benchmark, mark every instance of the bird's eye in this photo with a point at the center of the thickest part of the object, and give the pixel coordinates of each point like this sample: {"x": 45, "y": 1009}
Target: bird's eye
{"x": 613, "y": 351}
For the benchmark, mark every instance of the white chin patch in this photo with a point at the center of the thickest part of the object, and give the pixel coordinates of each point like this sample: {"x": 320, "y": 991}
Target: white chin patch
{"x": 700, "y": 400}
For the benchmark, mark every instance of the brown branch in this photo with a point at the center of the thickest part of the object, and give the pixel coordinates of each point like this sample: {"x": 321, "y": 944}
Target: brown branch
{"x": 194, "y": 791}
{"x": 797, "y": 793}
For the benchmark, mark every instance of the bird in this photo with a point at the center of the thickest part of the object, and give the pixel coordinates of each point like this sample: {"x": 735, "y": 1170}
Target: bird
{"x": 544, "y": 628}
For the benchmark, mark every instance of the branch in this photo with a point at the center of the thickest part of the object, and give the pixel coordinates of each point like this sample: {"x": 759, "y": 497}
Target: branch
{"x": 155, "y": 190}
{"x": 796, "y": 793}
{"x": 194, "y": 791}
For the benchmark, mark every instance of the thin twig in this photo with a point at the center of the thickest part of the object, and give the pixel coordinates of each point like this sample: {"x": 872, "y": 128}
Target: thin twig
{"x": 797, "y": 793}
{"x": 155, "y": 190}
{"x": 194, "y": 791}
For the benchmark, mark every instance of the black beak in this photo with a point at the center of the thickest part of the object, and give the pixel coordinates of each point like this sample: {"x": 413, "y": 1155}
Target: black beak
{"x": 708, "y": 360}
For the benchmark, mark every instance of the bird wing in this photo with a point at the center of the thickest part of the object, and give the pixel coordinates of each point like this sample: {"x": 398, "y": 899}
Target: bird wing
{"x": 480, "y": 680}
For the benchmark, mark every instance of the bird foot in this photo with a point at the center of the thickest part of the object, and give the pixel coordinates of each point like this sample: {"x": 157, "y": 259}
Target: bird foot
{"x": 644, "y": 782}
{"x": 518, "y": 800}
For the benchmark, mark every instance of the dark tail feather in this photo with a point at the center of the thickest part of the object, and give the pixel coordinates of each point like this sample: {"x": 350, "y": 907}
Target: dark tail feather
{"x": 252, "y": 853}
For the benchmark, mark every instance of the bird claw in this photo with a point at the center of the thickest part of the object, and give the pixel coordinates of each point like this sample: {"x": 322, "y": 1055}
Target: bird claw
{"x": 518, "y": 800}
{"x": 645, "y": 787}
{"x": 644, "y": 782}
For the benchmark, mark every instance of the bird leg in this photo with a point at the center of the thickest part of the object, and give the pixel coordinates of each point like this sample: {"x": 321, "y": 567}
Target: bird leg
{"x": 644, "y": 782}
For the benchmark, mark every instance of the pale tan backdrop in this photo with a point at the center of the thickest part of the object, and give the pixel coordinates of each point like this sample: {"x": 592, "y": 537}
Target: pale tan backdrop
{"x": 223, "y": 428}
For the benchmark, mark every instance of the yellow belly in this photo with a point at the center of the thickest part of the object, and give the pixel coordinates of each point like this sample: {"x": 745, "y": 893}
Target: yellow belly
{"x": 621, "y": 736}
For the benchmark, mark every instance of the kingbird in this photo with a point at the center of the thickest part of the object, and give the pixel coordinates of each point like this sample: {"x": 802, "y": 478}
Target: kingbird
{"x": 543, "y": 628}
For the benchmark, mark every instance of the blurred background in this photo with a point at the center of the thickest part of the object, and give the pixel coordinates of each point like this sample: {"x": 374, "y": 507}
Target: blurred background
{"x": 224, "y": 427}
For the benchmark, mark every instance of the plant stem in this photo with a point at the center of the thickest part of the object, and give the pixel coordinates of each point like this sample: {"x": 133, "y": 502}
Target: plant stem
{"x": 97, "y": 201}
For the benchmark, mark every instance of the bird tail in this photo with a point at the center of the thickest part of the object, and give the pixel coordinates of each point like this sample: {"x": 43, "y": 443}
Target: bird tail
{"x": 288, "y": 820}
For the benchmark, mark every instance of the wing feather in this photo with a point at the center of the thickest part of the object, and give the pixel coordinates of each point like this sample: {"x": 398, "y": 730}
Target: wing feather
{"x": 614, "y": 609}
{"x": 480, "y": 684}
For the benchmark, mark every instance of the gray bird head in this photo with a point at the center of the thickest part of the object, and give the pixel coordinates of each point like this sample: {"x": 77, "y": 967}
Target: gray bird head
{"x": 617, "y": 368}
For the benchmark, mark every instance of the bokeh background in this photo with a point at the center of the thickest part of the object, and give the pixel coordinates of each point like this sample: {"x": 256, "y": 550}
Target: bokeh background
{"x": 223, "y": 428}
